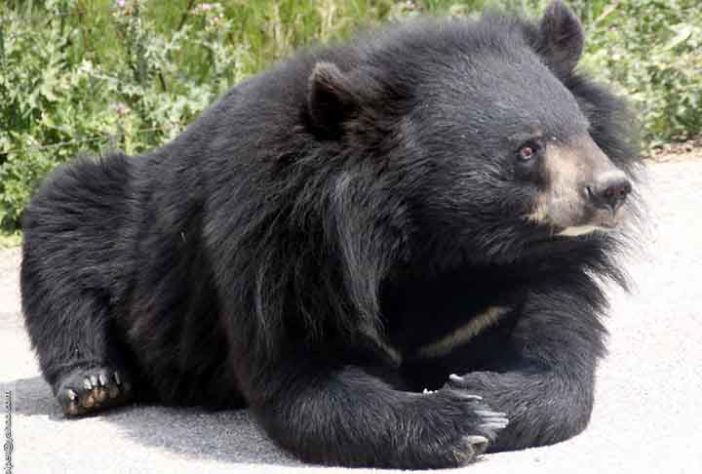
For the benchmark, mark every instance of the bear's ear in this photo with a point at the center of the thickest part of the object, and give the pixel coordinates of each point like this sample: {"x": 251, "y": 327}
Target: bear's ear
{"x": 330, "y": 97}
{"x": 562, "y": 38}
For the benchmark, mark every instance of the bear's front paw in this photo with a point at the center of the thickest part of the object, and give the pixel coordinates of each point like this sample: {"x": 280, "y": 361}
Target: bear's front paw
{"x": 87, "y": 390}
{"x": 460, "y": 426}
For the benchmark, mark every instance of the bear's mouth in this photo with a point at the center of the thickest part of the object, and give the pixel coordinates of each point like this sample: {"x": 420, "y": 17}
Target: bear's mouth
{"x": 593, "y": 222}
{"x": 590, "y": 221}
{"x": 597, "y": 221}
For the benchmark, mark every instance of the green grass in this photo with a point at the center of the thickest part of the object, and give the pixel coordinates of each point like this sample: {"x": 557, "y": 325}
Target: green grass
{"x": 87, "y": 76}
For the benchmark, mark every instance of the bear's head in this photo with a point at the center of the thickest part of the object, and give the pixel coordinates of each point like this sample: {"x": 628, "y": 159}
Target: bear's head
{"x": 494, "y": 142}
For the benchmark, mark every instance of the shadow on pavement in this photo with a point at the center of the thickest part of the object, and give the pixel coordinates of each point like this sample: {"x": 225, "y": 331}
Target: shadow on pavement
{"x": 226, "y": 436}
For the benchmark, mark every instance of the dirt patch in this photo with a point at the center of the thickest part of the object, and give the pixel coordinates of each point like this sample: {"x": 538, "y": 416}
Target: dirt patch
{"x": 689, "y": 150}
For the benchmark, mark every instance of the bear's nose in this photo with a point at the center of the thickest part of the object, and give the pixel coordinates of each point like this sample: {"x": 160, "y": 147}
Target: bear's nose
{"x": 609, "y": 190}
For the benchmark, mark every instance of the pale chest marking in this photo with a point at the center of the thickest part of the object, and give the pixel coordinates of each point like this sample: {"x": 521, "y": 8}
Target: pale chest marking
{"x": 578, "y": 230}
{"x": 465, "y": 333}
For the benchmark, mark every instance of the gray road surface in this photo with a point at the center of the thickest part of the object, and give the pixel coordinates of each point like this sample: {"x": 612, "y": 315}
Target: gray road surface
{"x": 647, "y": 418}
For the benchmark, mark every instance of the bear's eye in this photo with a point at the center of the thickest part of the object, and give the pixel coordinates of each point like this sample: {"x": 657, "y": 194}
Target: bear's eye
{"x": 528, "y": 151}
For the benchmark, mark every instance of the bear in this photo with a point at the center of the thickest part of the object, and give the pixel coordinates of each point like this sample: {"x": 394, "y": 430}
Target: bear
{"x": 391, "y": 250}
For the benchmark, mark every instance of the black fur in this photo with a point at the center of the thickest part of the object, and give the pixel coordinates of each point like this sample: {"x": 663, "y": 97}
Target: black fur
{"x": 349, "y": 205}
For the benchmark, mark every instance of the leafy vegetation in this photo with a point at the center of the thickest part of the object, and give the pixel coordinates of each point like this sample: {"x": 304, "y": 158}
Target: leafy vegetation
{"x": 87, "y": 76}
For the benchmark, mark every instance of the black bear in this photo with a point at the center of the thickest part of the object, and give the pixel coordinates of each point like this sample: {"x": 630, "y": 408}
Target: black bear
{"x": 389, "y": 250}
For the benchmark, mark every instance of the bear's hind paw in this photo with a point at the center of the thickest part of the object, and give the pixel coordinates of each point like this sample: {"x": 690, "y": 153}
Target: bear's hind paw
{"x": 86, "y": 391}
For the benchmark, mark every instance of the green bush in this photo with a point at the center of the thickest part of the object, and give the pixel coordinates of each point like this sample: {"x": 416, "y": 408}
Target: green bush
{"x": 653, "y": 50}
{"x": 87, "y": 76}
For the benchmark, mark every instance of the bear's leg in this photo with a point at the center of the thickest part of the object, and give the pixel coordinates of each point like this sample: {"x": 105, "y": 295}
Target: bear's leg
{"x": 546, "y": 387}
{"x": 72, "y": 268}
{"x": 76, "y": 343}
{"x": 346, "y": 416}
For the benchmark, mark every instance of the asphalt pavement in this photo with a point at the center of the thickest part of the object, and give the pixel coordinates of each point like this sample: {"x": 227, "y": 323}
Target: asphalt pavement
{"x": 647, "y": 417}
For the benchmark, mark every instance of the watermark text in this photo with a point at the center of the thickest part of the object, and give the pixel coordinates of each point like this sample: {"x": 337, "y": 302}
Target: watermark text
{"x": 9, "y": 445}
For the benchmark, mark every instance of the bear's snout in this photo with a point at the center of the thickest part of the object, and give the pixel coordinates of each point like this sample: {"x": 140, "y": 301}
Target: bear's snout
{"x": 585, "y": 190}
